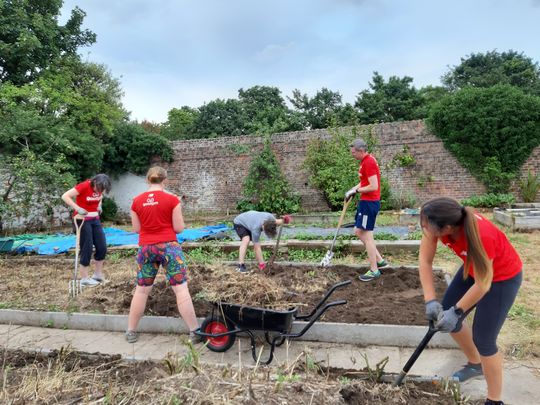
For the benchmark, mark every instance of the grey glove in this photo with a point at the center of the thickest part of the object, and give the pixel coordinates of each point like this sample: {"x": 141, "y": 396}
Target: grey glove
{"x": 349, "y": 194}
{"x": 81, "y": 211}
{"x": 448, "y": 320}
{"x": 433, "y": 309}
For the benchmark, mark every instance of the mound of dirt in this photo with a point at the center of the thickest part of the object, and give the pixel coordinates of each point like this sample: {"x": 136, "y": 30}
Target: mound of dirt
{"x": 395, "y": 298}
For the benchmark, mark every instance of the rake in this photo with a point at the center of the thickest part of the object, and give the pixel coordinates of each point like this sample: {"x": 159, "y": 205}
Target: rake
{"x": 330, "y": 253}
{"x": 74, "y": 286}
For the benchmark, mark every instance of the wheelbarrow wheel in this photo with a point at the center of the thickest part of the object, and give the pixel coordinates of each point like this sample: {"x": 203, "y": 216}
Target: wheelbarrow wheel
{"x": 216, "y": 325}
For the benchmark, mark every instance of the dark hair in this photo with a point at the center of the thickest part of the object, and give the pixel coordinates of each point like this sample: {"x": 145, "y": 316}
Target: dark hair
{"x": 443, "y": 211}
{"x": 101, "y": 183}
{"x": 270, "y": 228}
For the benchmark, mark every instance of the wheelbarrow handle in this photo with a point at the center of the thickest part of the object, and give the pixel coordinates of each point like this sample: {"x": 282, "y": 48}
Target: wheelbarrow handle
{"x": 325, "y": 298}
{"x": 315, "y": 318}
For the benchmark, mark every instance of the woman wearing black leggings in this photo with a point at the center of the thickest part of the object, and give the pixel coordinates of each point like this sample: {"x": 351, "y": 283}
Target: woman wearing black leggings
{"x": 489, "y": 281}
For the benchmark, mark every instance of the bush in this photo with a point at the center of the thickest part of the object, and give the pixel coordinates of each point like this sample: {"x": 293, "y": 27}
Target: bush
{"x": 491, "y": 131}
{"x": 529, "y": 186}
{"x": 489, "y": 200}
{"x": 109, "y": 209}
{"x": 265, "y": 187}
{"x": 332, "y": 168}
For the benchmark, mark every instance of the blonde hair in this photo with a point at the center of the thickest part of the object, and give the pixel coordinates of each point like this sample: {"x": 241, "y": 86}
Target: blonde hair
{"x": 156, "y": 175}
{"x": 444, "y": 211}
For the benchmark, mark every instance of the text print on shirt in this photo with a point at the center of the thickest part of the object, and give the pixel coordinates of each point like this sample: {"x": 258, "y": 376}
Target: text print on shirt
{"x": 95, "y": 197}
{"x": 150, "y": 200}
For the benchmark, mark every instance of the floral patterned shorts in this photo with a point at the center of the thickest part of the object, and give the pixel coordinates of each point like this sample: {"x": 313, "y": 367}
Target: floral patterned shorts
{"x": 169, "y": 255}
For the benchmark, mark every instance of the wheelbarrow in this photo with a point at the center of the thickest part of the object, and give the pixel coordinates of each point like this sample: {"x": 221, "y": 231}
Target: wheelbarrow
{"x": 219, "y": 329}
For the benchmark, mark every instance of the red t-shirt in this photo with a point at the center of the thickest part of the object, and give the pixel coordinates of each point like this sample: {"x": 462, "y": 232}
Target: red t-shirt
{"x": 506, "y": 261}
{"x": 368, "y": 168}
{"x": 87, "y": 198}
{"x": 154, "y": 209}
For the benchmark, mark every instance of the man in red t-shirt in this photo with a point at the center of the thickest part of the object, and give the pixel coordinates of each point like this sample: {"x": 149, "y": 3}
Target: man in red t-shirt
{"x": 368, "y": 207}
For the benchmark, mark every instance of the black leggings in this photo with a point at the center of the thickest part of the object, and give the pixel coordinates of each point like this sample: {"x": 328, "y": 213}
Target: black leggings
{"x": 92, "y": 235}
{"x": 491, "y": 310}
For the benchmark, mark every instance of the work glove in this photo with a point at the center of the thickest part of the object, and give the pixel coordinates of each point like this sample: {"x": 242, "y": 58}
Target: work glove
{"x": 433, "y": 309}
{"x": 349, "y": 194}
{"x": 447, "y": 320}
{"x": 287, "y": 219}
{"x": 82, "y": 211}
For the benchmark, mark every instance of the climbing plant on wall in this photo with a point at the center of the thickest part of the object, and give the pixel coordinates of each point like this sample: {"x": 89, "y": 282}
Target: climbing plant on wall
{"x": 265, "y": 187}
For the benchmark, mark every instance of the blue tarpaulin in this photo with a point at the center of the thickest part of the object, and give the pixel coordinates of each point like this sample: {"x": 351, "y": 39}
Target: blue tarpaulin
{"x": 61, "y": 243}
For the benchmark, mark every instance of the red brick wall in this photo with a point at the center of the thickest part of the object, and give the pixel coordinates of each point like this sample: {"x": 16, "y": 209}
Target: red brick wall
{"x": 209, "y": 173}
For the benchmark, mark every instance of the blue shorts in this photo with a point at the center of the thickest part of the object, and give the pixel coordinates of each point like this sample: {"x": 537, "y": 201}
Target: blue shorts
{"x": 366, "y": 213}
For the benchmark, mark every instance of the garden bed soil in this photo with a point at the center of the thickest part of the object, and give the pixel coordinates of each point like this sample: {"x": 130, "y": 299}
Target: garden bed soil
{"x": 73, "y": 377}
{"x": 395, "y": 298}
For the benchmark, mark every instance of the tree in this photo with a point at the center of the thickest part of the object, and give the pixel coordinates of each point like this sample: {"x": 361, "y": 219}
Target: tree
{"x": 491, "y": 131}
{"x": 264, "y": 110}
{"x": 491, "y": 68}
{"x": 31, "y": 39}
{"x": 180, "y": 123}
{"x": 324, "y": 109}
{"x": 430, "y": 95}
{"x": 396, "y": 100}
{"x": 132, "y": 149}
{"x": 219, "y": 118}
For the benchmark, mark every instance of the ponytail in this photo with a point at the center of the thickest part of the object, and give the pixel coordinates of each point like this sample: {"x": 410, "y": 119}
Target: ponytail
{"x": 476, "y": 254}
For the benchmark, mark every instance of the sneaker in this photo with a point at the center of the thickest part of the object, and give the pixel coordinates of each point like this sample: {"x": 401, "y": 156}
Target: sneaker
{"x": 242, "y": 268}
{"x": 99, "y": 279}
{"x": 468, "y": 371}
{"x": 370, "y": 275}
{"x": 132, "y": 336}
{"x": 491, "y": 402}
{"x": 382, "y": 264}
{"x": 89, "y": 282}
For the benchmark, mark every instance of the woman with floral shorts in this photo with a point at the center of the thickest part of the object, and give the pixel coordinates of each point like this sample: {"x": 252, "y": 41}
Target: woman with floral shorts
{"x": 157, "y": 216}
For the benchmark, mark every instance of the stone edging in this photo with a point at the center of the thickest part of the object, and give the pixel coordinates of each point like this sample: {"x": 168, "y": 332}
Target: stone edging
{"x": 361, "y": 334}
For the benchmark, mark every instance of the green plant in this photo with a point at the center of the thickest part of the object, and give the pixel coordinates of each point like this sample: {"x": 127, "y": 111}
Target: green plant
{"x": 404, "y": 158}
{"x": 522, "y": 313}
{"x": 415, "y": 235}
{"x": 375, "y": 374}
{"x": 238, "y": 149}
{"x": 489, "y": 200}
{"x": 529, "y": 186}
{"x": 385, "y": 236}
{"x": 400, "y": 199}
{"x": 191, "y": 360}
{"x": 331, "y": 167}
{"x": 424, "y": 179}
{"x": 265, "y": 187}
{"x": 109, "y": 209}
{"x": 491, "y": 131}
{"x": 386, "y": 194}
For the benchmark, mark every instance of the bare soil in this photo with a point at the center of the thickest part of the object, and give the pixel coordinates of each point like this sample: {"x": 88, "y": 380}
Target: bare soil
{"x": 72, "y": 377}
{"x": 394, "y": 298}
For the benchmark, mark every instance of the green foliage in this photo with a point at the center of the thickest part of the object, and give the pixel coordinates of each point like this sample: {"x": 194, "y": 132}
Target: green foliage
{"x": 31, "y": 39}
{"x": 180, "y": 122}
{"x": 489, "y": 200}
{"x": 323, "y": 110}
{"x": 404, "y": 158}
{"x": 529, "y": 186}
{"x": 32, "y": 185}
{"x": 396, "y": 100}
{"x": 132, "y": 149}
{"x": 219, "y": 118}
{"x": 265, "y": 187}
{"x": 386, "y": 194}
{"x": 332, "y": 168}
{"x": 494, "y": 68}
{"x": 109, "y": 209}
{"x": 491, "y": 131}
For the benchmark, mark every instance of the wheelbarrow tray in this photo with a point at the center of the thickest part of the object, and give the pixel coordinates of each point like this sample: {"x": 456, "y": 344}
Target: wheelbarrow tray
{"x": 253, "y": 318}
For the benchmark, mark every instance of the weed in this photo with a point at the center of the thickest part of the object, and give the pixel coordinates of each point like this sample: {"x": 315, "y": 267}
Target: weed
{"x": 344, "y": 380}
{"x": 376, "y": 374}
{"x": 455, "y": 390}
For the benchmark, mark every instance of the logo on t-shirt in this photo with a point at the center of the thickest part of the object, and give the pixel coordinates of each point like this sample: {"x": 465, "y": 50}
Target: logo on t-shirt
{"x": 95, "y": 197}
{"x": 150, "y": 200}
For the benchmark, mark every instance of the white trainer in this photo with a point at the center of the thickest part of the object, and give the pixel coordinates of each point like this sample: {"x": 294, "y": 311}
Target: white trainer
{"x": 89, "y": 282}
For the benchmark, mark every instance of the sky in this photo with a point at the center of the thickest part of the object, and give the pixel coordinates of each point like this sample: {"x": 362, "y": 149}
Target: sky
{"x": 171, "y": 53}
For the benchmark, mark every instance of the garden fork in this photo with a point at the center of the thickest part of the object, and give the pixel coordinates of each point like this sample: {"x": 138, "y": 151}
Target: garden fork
{"x": 74, "y": 286}
{"x": 330, "y": 253}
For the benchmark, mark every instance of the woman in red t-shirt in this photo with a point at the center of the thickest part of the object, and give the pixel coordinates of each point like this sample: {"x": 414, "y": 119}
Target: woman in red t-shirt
{"x": 156, "y": 216}
{"x": 87, "y": 204}
{"x": 489, "y": 281}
